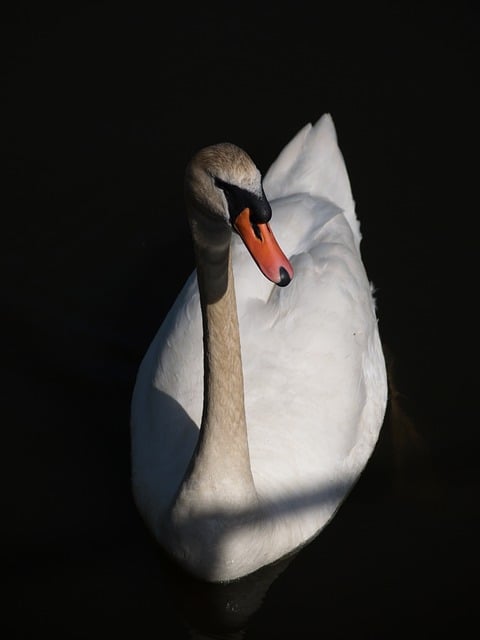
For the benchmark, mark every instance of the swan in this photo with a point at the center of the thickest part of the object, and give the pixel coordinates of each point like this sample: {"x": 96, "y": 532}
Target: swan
{"x": 260, "y": 399}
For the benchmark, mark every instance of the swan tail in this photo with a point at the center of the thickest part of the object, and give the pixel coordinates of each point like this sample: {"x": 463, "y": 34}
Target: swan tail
{"x": 313, "y": 163}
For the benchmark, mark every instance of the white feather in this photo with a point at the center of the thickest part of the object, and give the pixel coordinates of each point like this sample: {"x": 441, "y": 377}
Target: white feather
{"x": 314, "y": 371}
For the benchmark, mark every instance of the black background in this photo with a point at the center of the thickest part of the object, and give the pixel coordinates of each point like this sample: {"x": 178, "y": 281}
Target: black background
{"x": 104, "y": 106}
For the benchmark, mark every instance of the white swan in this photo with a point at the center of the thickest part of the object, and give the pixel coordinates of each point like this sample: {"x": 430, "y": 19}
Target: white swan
{"x": 234, "y": 478}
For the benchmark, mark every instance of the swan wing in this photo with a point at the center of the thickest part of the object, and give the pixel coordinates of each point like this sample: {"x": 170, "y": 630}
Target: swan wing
{"x": 313, "y": 163}
{"x": 315, "y": 386}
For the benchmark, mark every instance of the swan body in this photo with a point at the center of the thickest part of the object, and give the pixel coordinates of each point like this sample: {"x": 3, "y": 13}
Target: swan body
{"x": 257, "y": 406}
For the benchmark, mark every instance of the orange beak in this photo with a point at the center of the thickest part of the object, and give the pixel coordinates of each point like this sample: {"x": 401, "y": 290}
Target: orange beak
{"x": 264, "y": 249}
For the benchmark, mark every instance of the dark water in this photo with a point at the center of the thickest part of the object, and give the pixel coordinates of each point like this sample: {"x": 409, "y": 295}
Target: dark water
{"x": 104, "y": 107}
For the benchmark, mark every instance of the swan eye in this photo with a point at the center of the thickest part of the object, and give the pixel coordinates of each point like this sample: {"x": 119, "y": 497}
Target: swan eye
{"x": 221, "y": 184}
{"x": 235, "y": 197}
{"x": 239, "y": 199}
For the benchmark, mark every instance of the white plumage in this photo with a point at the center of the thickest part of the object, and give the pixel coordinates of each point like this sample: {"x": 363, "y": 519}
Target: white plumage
{"x": 314, "y": 374}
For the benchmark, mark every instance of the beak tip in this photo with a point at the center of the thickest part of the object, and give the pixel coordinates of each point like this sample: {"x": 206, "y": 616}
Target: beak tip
{"x": 285, "y": 277}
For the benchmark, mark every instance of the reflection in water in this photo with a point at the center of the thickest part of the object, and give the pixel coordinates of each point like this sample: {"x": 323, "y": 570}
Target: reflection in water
{"x": 218, "y": 610}
{"x": 407, "y": 453}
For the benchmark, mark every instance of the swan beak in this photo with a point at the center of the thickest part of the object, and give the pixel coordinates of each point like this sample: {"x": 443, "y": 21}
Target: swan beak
{"x": 264, "y": 249}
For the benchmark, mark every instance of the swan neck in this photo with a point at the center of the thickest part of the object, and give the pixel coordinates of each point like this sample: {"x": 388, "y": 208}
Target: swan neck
{"x": 220, "y": 467}
{"x": 223, "y": 434}
{"x": 217, "y": 494}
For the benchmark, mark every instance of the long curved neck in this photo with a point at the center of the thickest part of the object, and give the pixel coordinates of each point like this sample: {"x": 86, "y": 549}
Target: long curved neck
{"x": 223, "y": 430}
{"x": 220, "y": 467}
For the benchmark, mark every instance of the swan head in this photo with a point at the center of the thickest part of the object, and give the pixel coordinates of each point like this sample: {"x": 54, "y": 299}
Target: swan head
{"x": 224, "y": 193}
